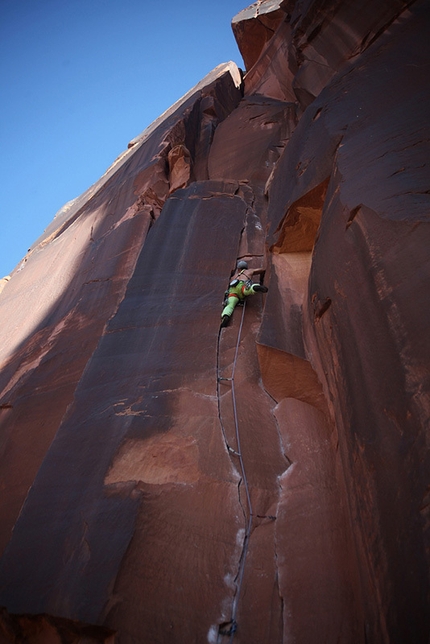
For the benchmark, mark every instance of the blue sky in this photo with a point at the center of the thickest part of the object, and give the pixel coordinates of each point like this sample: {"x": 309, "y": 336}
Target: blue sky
{"x": 79, "y": 80}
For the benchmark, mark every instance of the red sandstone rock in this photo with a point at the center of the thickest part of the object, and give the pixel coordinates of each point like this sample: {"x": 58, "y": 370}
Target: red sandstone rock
{"x": 179, "y": 167}
{"x": 359, "y": 313}
{"x": 165, "y": 483}
{"x": 272, "y": 75}
{"x": 3, "y": 282}
{"x": 59, "y": 299}
{"x": 318, "y": 576}
{"x": 46, "y": 629}
{"x": 254, "y": 27}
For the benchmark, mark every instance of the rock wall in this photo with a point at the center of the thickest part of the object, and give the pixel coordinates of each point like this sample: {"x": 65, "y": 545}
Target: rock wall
{"x": 167, "y": 481}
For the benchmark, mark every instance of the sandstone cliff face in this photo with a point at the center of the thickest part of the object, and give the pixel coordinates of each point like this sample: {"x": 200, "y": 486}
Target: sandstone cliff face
{"x": 165, "y": 481}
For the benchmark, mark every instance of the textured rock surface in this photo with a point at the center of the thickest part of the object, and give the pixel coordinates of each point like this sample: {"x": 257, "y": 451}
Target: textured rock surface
{"x": 163, "y": 481}
{"x": 62, "y": 295}
{"x": 254, "y": 27}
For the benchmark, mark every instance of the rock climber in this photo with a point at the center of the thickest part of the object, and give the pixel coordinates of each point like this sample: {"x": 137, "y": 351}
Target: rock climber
{"x": 241, "y": 286}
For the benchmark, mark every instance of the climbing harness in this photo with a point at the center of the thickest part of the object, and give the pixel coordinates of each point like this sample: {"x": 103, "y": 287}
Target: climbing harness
{"x": 232, "y": 624}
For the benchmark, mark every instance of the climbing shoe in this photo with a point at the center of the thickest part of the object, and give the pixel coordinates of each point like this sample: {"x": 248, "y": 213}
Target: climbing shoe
{"x": 225, "y": 321}
{"x": 260, "y": 288}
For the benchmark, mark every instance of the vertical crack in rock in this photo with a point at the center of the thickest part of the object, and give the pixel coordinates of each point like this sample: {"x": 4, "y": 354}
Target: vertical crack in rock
{"x": 228, "y": 629}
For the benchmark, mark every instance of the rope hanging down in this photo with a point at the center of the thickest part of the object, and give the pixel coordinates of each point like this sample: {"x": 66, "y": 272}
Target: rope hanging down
{"x": 238, "y": 452}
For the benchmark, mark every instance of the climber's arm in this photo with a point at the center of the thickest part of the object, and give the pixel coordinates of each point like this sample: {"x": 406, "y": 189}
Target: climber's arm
{"x": 259, "y": 271}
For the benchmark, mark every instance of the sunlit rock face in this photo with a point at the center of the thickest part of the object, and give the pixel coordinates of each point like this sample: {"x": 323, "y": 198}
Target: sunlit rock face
{"x": 167, "y": 481}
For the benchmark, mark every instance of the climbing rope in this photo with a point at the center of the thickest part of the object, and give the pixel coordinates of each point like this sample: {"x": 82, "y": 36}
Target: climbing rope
{"x": 238, "y": 452}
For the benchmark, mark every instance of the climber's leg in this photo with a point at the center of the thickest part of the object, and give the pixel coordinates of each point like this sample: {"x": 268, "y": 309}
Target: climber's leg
{"x": 259, "y": 288}
{"x": 253, "y": 288}
{"x": 237, "y": 294}
{"x": 233, "y": 299}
